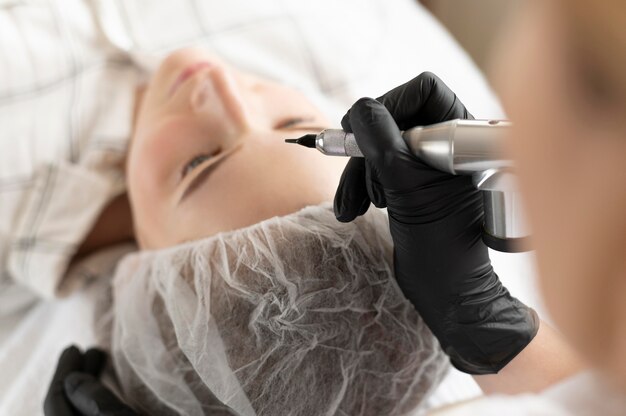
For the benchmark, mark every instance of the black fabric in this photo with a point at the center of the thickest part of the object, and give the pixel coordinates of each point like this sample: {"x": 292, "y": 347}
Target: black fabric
{"x": 435, "y": 219}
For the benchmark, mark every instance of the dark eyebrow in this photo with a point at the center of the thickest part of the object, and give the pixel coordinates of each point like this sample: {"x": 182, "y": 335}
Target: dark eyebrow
{"x": 201, "y": 178}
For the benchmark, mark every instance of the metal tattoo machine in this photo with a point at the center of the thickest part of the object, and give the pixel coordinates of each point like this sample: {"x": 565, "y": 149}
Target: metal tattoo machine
{"x": 459, "y": 147}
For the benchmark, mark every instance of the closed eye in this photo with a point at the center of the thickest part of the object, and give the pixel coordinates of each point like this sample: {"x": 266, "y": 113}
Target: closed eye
{"x": 195, "y": 162}
{"x": 204, "y": 165}
{"x": 294, "y": 123}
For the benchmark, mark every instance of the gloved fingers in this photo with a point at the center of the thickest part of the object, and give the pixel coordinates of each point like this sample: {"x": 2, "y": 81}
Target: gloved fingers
{"x": 55, "y": 403}
{"x": 93, "y": 361}
{"x": 91, "y": 398}
{"x": 351, "y": 199}
{"x": 71, "y": 360}
{"x": 375, "y": 190}
{"x": 424, "y": 100}
{"x": 380, "y": 141}
{"x": 375, "y": 131}
{"x": 345, "y": 122}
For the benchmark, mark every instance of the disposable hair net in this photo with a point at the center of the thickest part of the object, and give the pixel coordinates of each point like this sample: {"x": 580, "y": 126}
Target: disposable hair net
{"x": 296, "y": 315}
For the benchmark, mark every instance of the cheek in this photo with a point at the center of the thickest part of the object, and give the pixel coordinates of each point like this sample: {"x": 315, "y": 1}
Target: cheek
{"x": 152, "y": 174}
{"x": 552, "y": 146}
{"x": 144, "y": 192}
{"x": 155, "y": 153}
{"x": 278, "y": 179}
{"x": 529, "y": 96}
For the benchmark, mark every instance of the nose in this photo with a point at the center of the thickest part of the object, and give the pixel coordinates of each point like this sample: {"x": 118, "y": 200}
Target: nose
{"x": 219, "y": 96}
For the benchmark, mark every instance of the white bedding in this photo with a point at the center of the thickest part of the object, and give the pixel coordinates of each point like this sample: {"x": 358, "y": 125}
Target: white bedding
{"x": 56, "y": 94}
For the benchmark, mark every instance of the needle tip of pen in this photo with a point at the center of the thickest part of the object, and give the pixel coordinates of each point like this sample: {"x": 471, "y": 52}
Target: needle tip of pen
{"x": 308, "y": 140}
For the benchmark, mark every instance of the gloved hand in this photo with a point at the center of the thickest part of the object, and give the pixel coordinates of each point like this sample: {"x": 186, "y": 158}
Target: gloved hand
{"x": 75, "y": 389}
{"x": 441, "y": 263}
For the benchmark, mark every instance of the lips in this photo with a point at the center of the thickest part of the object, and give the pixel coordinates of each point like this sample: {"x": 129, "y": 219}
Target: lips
{"x": 188, "y": 73}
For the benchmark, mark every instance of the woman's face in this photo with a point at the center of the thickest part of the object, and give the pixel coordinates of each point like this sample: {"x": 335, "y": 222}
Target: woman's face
{"x": 208, "y": 152}
{"x": 569, "y": 143}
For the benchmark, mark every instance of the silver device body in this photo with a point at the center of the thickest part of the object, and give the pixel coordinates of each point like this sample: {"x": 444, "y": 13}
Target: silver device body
{"x": 462, "y": 147}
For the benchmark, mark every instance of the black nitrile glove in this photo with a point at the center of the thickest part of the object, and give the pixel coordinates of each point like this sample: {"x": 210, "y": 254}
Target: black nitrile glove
{"x": 441, "y": 263}
{"x": 76, "y": 391}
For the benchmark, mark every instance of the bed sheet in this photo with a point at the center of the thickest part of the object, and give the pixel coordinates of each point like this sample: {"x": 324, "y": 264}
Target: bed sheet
{"x": 32, "y": 338}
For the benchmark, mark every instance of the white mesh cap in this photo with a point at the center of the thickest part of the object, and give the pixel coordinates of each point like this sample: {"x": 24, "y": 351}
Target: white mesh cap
{"x": 296, "y": 315}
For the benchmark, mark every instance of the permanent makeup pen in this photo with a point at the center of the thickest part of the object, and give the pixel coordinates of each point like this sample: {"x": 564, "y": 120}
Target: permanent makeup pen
{"x": 459, "y": 147}
{"x": 456, "y": 146}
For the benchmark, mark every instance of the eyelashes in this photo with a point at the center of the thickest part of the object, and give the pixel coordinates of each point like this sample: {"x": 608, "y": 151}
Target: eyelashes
{"x": 193, "y": 163}
{"x": 196, "y": 161}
